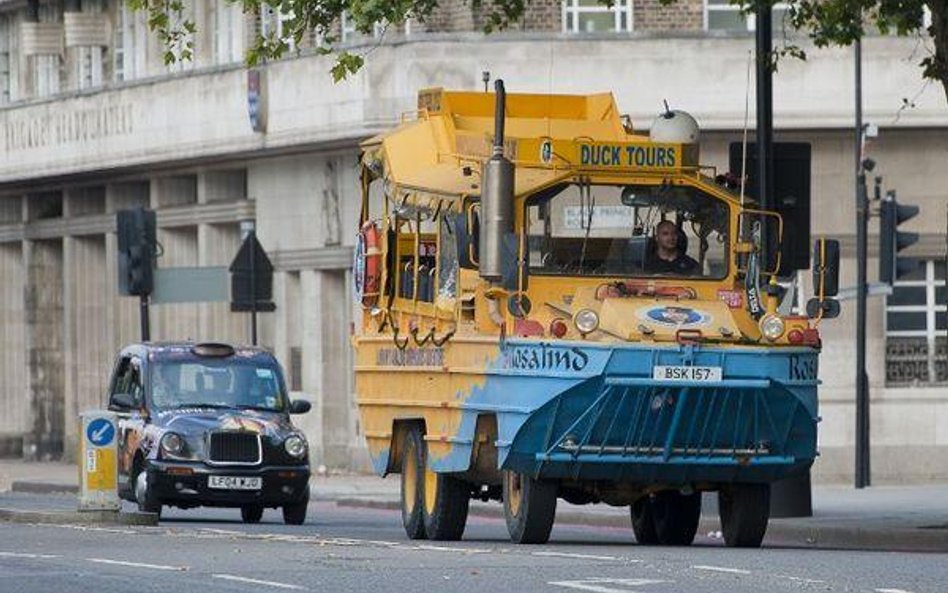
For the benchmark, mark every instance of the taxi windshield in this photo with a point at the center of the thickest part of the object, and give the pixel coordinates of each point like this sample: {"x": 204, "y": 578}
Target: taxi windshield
{"x": 209, "y": 382}
{"x": 580, "y": 229}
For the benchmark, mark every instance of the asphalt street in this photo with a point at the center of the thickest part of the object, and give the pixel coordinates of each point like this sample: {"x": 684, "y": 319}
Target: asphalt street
{"x": 359, "y": 550}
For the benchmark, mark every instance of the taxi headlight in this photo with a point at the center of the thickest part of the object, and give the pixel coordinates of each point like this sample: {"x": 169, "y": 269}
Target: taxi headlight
{"x": 772, "y": 327}
{"x": 295, "y": 445}
{"x": 586, "y": 321}
{"x": 172, "y": 444}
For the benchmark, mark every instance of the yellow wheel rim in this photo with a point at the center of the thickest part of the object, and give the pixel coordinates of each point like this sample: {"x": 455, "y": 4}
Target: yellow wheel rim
{"x": 410, "y": 482}
{"x": 431, "y": 490}
{"x": 514, "y": 494}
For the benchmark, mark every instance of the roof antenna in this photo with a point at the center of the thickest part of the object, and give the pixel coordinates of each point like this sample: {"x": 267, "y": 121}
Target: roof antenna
{"x": 668, "y": 112}
{"x": 485, "y": 76}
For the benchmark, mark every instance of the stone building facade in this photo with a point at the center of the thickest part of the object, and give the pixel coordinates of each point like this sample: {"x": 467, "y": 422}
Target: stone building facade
{"x": 93, "y": 121}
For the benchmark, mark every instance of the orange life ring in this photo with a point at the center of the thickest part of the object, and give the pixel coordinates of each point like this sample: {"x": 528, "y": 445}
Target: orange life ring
{"x": 368, "y": 270}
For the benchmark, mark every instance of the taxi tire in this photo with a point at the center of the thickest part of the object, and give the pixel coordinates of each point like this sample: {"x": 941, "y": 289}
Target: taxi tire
{"x": 412, "y": 476}
{"x": 144, "y": 496}
{"x": 643, "y": 522}
{"x": 251, "y": 513}
{"x": 295, "y": 514}
{"x": 448, "y": 518}
{"x": 675, "y": 516}
{"x": 531, "y": 519}
{"x": 745, "y": 512}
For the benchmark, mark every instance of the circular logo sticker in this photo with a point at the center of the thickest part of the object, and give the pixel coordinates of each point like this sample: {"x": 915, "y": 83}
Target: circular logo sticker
{"x": 674, "y": 316}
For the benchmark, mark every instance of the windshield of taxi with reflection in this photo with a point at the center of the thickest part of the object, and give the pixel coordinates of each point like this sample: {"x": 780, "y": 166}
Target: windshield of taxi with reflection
{"x": 627, "y": 230}
{"x": 230, "y": 382}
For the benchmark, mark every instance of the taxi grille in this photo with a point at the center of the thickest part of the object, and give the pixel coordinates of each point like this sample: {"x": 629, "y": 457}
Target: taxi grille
{"x": 234, "y": 447}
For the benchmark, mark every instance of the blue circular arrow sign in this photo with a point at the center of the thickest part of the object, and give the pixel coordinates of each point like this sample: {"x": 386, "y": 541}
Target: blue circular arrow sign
{"x": 100, "y": 432}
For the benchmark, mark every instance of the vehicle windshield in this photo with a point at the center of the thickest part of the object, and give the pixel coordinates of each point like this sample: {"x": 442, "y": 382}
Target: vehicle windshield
{"x": 627, "y": 230}
{"x": 210, "y": 382}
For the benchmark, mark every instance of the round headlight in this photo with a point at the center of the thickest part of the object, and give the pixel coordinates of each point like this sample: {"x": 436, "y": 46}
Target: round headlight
{"x": 172, "y": 443}
{"x": 772, "y": 327}
{"x": 586, "y": 321}
{"x": 295, "y": 445}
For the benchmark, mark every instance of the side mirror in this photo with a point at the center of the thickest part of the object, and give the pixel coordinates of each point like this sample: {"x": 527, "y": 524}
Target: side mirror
{"x": 300, "y": 406}
{"x": 825, "y": 280}
{"x": 122, "y": 402}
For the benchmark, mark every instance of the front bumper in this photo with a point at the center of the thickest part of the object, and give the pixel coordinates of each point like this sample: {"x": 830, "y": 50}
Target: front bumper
{"x": 185, "y": 484}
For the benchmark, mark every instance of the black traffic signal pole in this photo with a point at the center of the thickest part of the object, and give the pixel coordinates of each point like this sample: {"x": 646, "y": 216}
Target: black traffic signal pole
{"x": 253, "y": 287}
{"x": 143, "y": 313}
{"x": 862, "y": 474}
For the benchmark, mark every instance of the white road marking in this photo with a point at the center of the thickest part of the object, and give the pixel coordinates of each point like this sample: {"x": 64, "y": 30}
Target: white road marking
{"x": 24, "y": 555}
{"x": 721, "y": 569}
{"x": 136, "y": 564}
{"x": 800, "y": 579}
{"x": 892, "y": 591}
{"x": 576, "y": 556}
{"x": 230, "y": 577}
{"x": 599, "y": 585}
{"x": 457, "y": 550}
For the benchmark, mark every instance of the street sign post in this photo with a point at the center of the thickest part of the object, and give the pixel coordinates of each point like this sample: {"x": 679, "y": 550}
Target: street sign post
{"x": 98, "y": 475}
{"x": 251, "y": 275}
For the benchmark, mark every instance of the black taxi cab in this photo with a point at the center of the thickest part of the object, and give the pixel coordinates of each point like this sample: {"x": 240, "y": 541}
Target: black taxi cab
{"x": 208, "y": 425}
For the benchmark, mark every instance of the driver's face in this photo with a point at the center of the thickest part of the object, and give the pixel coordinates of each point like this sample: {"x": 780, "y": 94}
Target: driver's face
{"x": 667, "y": 237}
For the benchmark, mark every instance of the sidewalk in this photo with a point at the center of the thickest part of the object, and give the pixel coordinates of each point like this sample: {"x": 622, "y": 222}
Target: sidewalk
{"x": 903, "y": 518}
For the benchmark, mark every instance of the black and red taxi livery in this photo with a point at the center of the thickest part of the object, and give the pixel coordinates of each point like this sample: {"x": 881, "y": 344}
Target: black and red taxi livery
{"x": 208, "y": 425}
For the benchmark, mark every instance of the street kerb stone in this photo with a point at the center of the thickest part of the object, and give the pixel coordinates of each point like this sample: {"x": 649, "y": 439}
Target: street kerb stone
{"x": 78, "y": 518}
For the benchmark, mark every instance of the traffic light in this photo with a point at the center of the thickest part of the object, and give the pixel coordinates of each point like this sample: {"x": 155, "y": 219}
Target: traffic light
{"x": 892, "y": 240}
{"x": 136, "y": 251}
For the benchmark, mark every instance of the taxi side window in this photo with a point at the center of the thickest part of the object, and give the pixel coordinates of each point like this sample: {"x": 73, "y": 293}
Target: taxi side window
{"x": 128, "y": 379}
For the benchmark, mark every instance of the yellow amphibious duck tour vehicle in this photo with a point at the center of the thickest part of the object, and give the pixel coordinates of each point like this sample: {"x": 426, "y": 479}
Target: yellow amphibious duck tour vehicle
{"x": 557, "y": 307}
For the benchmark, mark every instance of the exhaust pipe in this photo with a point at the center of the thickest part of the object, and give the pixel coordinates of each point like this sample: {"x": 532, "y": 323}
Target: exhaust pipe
{"x": 497, "y": 196}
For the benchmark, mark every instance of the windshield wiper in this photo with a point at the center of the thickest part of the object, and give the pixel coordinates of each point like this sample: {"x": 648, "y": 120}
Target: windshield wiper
{"x": 196, "y": 405}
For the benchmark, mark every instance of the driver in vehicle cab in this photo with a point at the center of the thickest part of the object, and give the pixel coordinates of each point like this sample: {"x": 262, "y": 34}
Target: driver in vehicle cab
{"x": 668, "y": 257}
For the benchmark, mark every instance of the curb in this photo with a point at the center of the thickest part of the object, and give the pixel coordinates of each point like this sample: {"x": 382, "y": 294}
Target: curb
{"x": 780, "y": 532}
{"x": 79, "y": 518}
{"x": 43, "y": 488}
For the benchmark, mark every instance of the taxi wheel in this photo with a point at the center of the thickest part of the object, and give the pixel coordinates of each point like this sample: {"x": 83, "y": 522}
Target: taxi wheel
{"x": 251, "y": 513}
{"x": 295, "y": 514}
{"x": 745, "y": 512}
{"x": 643, "y": 522}
{"x": 446, "y": 504}
{"x": 676, "y": 517}
{"x": 529, "y": 508}
{"x": 147, "y": 503}
{"x": 413, "y": 471}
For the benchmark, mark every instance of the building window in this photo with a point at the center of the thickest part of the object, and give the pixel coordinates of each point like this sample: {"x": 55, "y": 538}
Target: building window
{"x": 90, "y": 67}
{"x": 8, "y": 58}
{"x": 351, "y": 35}
{"x": 720, "y": 15}
{"x": 589, "y": 16}
{"x": 130, "y": 44}
{"x": 226, "y": 18}
{"x": 916, "y": 350}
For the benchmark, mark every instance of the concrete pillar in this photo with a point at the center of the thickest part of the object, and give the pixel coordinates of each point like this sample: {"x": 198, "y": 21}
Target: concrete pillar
{"x": 14, "y": 421}
{"x": 311, "y": 321}
{"x": 44, "y": 344}
{"x": 88, "y": 351}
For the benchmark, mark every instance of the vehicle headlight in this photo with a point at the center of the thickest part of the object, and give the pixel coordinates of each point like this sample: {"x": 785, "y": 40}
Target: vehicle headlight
{"x": 295, "y": 445}
{"x": 772, "y": 327}
{"x": 586, "y": 321}
{"x": 172, "y": 444}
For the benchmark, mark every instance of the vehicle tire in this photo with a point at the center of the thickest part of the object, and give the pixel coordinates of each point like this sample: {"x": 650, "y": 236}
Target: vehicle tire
{"x": 144, "y": 496}
{"x": 529, "y": 508}
{"x": 643, "y": 522}
{"x": 675, "y": 517}
{"x": 413, "y": 471}
{"x": 295, "y": 513}
{"x": 446, "y": 501}
{"x": 745, "y": 511}
{"x": 251, "y": 513}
